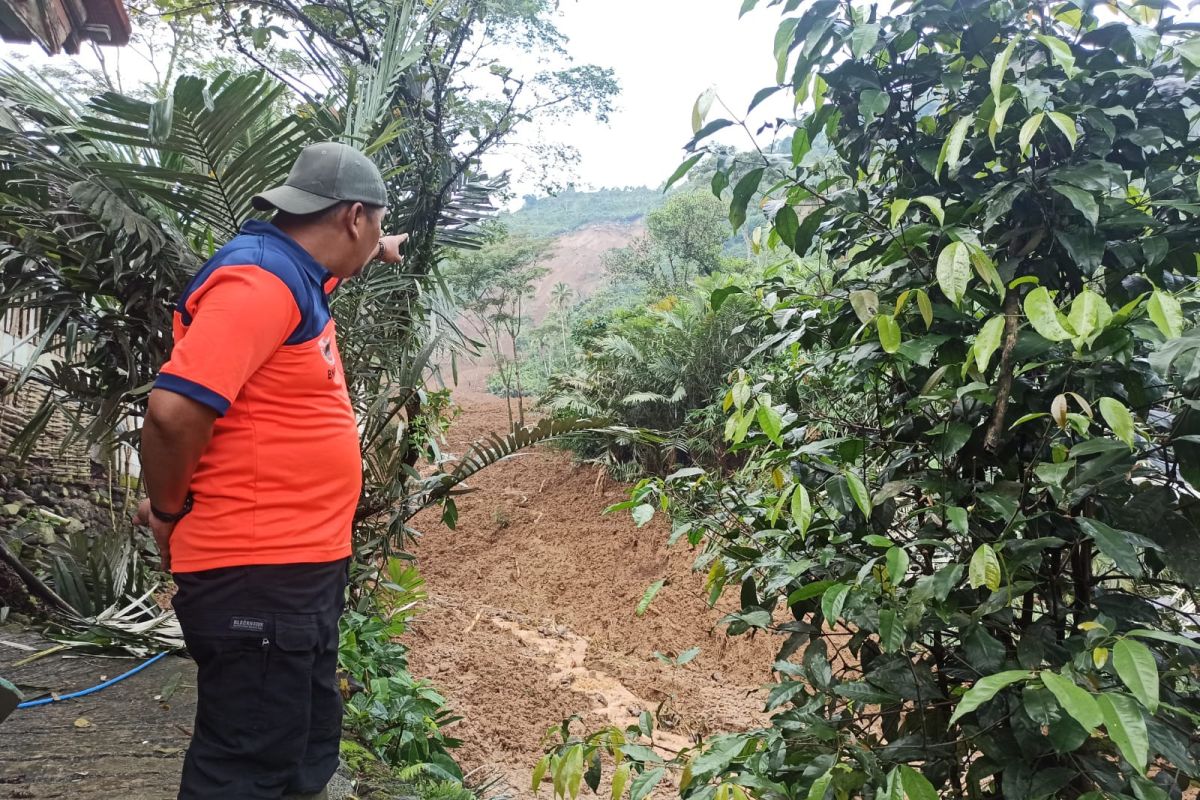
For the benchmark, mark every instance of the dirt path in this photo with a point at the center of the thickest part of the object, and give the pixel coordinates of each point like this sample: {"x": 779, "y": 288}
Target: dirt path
{"x": 531, "y": 614}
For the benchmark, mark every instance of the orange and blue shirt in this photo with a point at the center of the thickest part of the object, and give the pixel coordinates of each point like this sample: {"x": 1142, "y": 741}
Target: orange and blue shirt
{"x": 255, "y": 342}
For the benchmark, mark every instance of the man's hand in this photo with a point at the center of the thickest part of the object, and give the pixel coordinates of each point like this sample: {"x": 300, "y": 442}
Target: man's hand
{"x": 161, "y": 530}
{"x": 390, "y": 247}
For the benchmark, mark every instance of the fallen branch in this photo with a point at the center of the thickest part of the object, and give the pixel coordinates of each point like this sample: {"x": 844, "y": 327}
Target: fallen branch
{"x": 36, "y": 586}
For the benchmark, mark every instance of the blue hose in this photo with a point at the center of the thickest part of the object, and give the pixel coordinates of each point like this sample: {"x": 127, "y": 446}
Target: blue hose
{"x": 48, "y": 700}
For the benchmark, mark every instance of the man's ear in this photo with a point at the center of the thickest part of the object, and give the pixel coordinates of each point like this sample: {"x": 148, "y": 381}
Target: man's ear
{"x": 354, "y": 215}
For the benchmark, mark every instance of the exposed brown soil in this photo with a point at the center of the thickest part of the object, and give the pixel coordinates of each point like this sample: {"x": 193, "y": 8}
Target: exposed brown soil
{"x": 578, "y": 261}
{"x": 531, "y": 614}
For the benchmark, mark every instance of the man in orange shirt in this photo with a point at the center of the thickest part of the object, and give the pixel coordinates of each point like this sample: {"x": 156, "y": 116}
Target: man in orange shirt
{"x": 250, "y": 455}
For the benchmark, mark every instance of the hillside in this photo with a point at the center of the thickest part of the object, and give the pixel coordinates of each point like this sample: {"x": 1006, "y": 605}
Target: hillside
{"x": 578, "y": 261}
{"x": 573, "y": 210}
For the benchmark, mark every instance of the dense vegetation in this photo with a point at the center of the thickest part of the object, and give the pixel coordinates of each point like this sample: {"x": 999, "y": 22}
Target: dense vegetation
{"x": 932, "y": 416}
{"x": 109, "y": 203}
{"x": 964, "y": 487}
{"x": 570, "y": 210}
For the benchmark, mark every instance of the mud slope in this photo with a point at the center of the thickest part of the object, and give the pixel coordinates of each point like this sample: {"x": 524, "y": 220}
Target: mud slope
{"x": 531, "y": 614}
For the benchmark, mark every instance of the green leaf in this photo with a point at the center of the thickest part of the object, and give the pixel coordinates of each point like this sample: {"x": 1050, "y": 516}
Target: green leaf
{"x": 648, "y": 597}
{"x": 985, "y": 689}
{"x": 1060, "y": 52}
{"x": 1118, "y": 418}
{"x": 897, "y": 564}
{"x": 819, "y": 787}
{"x": 1190, "y": 51}
{"x": 833, "y": 601}
{"x": 988, "y": 341}
{"x": 592, "y": 776}
{"x": 1044, "y": 315}
{"x": 954, "y": 271}
{"x": 863, "y": 39}
{"x": 999, "y": 67}
{"x": 742, "y": 192}
{"x": 1135, "y": 667}
{"x": 956, "y": 516}
{"x": 161, "y": 115}
{"x": 770, "y": 423}
{"x": 891, "y": 631}
{"x": 889, "y": 333}
{"x": 1166, "y": 313}
{"x": 682, "y": 170}
{"x": 987, "y": 270}
{"x": 896, "y": 209}
{"x": 620, "y": 778}
{"x": 935, "y": 207}
{"x": 1084, "y": 202}
{"x": 952, "y": 148}
{"x": 644, "y": 784}
{"x": 926, "y": 308}
{"x": 687, "y": 656}
{"x": 787, "y": 224}
{"x": 1126, "y": 727}
{"x": 572, "y": 772}
{"x": 862, "y": 498}
{"x": 997, "y": 122}
{"x": 1066, "y": 125}
{"x": 802, "y": 510}
{"x": 720, "y": 182}
{"x": 1163, "y": 636}
{"x": 538, "y": 772}
{"x": 747, "y": 6}
{"x": 984, "y": 569}
{"x": 701, "y": 108}
{"x": 1028, "y": 130}
{"x": 865, "y": 304}
{"x": 642, "y": 514}
{"x": 1089, "y": 314}
{"x": 1077, "y": 702}
{"x": 1113, "y": 543}
{"x": 808, "y": 592}
{"x": 916, "y": 786}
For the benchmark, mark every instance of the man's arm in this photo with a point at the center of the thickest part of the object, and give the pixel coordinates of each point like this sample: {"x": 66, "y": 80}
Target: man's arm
{"x": 175, "y": 433}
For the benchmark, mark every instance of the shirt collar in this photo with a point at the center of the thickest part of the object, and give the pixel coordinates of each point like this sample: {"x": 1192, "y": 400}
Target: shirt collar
{"x": 311, "y": 267}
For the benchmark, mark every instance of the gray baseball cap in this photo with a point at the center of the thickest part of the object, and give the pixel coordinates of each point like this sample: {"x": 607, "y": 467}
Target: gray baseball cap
{"x": 325, "y": 174}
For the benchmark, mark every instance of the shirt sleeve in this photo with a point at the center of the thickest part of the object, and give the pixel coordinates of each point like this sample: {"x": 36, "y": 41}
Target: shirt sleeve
{"x": 239, "y": 317}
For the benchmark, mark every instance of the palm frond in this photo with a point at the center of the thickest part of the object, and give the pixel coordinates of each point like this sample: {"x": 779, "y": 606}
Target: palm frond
{"x": 492, "y": 449}
{"x": 204, "y": 153}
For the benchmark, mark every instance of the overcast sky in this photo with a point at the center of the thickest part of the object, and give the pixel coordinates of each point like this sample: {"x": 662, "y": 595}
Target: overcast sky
{"x": 664, "y": 53}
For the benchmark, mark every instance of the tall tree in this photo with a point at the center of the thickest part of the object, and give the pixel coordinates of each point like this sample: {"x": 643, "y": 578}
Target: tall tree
{"x": 494, "y": 284}
{"x": 684, "y": 240}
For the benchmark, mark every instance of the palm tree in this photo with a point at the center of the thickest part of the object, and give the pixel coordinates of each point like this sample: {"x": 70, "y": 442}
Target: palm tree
{"x": 561, "y": 295}
{"x": 107, "y": 208}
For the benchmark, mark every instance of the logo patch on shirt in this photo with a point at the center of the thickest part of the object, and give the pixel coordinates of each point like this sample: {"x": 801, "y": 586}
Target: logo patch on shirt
{"x": 326, "y": 345}
{"x": 247, "y": 624}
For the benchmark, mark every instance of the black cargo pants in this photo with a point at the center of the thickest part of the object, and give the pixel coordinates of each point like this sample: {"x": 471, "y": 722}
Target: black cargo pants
{"x": 269, "y": 709}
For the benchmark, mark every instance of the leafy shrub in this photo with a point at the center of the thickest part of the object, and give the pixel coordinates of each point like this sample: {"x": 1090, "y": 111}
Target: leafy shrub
{"x": 987, "y": 551}
{"x": 397, "y": 718}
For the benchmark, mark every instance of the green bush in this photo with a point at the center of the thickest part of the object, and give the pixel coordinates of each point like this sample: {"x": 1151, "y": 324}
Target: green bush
{"x": 397, "y": 718}
{"x": 968, "y": 504}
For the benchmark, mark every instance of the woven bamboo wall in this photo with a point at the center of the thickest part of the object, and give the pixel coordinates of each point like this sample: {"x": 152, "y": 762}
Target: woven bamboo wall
{"x": 48, "y": 456}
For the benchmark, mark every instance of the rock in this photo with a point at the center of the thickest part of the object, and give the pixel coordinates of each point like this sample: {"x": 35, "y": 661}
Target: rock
{"x": 94, "y": 498}
{"x": 17, "y": 496}
{"x": 11, "y": 509}
{"x": 39, "y": 532}
{"x": 339, "y": 788}
{"x": 72, "y": 525}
